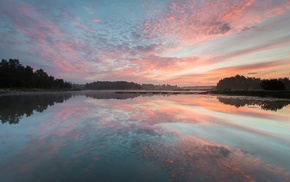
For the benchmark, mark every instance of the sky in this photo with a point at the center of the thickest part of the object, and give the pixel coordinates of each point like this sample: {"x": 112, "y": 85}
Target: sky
{"x": 178, "y": 42}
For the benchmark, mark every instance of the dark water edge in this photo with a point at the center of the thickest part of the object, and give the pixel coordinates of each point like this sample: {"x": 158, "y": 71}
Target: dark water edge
{"x": 283, "y": 94}
{"x": 4, "y": 92}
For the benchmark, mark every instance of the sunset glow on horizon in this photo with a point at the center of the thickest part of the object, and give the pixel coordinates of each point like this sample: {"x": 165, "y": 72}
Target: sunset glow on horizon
{"x": 178, "y": 42}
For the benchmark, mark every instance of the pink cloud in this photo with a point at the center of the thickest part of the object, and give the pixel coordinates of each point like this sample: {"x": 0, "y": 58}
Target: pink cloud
{"x": 69, "y": 66}
{"x": 153, "y": 66}
{"x": 46, "y": 39}
{"x": 193, "y": 21}
{"x": 67, "y": 113}
{"x": 96, "y": 20}
{"x": 83, "y": 28}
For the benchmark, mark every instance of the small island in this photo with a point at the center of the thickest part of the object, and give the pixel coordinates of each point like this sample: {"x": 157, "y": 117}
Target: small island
{"x": 241, "y": 86}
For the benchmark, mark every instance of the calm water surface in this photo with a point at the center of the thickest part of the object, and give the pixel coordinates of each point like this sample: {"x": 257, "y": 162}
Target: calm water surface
{"x": 101, "y": 136}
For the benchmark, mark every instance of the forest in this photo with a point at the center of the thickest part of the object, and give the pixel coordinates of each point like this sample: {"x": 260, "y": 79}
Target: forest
{"x": 14, "y": 75}
{"x": 239, "y": 82}
{"x": 116, "y": 85}
{"x": 123, "y": 85}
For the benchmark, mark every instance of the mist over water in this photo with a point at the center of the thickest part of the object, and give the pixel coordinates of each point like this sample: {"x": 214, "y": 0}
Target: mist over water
{"x": 104, "y": 136}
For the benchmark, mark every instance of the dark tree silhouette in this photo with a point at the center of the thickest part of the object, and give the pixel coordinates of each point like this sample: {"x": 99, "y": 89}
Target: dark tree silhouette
{"x": 123, "y": 85}
{"x": 286, "y": 82}
{"x": 15, "y": 75}
{"x": 239, "y": 83}
{"x": 118, "y": 85}
{"x": 272, "y": 84}
{"x": 160, "y": 87}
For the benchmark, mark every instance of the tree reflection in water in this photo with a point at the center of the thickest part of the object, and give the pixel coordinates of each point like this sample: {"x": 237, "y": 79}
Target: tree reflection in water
{"x": 273, "y": 105}
{"x": 111, "y": 95}
{"x": 14, "y": 107}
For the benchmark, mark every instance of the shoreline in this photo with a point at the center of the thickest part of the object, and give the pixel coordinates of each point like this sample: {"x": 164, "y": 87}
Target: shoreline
{"x": 11, "y": 92}
{"x": 174, "y": 92}
{"x": 6, "y": 92}
{"x": 280, "y": 94}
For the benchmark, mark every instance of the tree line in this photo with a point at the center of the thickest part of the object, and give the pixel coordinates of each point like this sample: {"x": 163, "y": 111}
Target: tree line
{"x": 123, "y": 85}
{"x": 14, "y": 75}
{"x": 114, "y": 85}
{"x": 239, "y": 82}
{"x": 160, "y": 87}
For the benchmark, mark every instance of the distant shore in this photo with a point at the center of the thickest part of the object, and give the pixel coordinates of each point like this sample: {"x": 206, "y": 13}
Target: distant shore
{"x": 283, "y": 94}
{"x": 159, "y": 92}
{"x": 31, "y": 91}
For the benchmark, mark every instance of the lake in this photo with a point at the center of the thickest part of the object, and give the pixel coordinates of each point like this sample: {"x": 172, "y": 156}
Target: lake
{"x": 107, "y": 136}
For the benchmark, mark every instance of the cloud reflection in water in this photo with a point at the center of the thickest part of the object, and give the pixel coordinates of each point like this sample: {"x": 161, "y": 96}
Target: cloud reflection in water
{"x": 185, "y": 137}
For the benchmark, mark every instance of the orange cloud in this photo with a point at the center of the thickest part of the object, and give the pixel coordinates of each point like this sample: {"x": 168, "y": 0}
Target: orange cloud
{"x": 211, "y": 77}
